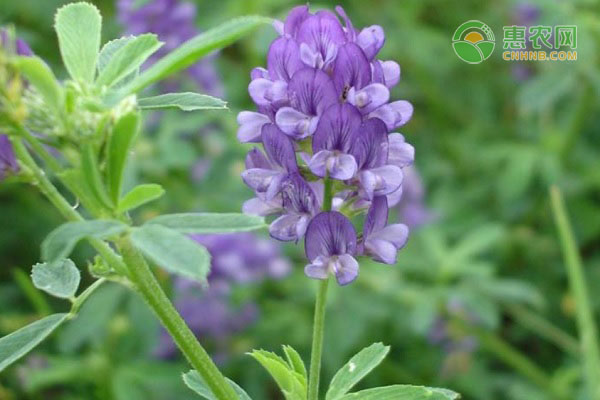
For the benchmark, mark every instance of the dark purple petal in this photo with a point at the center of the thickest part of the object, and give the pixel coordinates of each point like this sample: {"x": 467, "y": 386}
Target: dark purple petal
{"x": 329, "y": 234}
{"x": 350, "y": 31}
{"x": 352, "y": 69}
{"x": 371, "y": 40}
{"x": 8, "y": 162}
{"x": 251, "y": 124}
{"x": 337, "y": 128}
{"x": 294, "y": 19}
{"x": 370, "y": 144}
{"x": 279, "y": 148}
{"x": 377, "y": 216}
{"x": 298, "y": 196}
{"x": 321, "y": 34}
{"x": 311, "y": 91}
{"x": 336, "y": 165}
{"x": 401, "y": 153}
{"x": 283, "y": 59}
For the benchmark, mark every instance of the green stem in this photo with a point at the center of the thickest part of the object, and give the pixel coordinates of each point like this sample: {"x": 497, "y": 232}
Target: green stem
{"x": 585, "y": 320}
{"x": 79, "y": 300}
{"x": 545, "y": 329}
{"x": 39, "y": 148}
{"x": 319, "y": 320}
{"x": 185, "y": 339}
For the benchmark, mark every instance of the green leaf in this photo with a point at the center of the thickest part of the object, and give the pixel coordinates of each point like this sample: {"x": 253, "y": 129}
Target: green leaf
{"x": 108, "y": 51}
{"x": 195, "y": 48}
{"x": 120, "y": 142}
{"x": 204, "y": 223}
{"x": 61, "y": 241}
{"x": 93, "y": 178}
{"x": 78, "y": 28}
{"x": 19, "y": 343}
{"x": 186, "y": 101}
{"x": 139, "y": 195}
{"x": 292, "y": 384}
{"x": 59, "y": 278}
{"x": 173, "y": 251}
{"x": 356, "y": 369}
{"x": 295, "y": 361}
{"x": 41, "y": 77}
{"x": 194, "y": 381}
{"x": 403, "y": 392}
{"x": 127, "y": 58}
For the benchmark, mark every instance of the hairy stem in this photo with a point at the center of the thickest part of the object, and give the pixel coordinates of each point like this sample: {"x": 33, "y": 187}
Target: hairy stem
{"x": 185, "y": 339}
{"x": 319, "y": 320}
{"x": 585, "y": 318}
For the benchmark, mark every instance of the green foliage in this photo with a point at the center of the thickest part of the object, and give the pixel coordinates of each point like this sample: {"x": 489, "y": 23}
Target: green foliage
{"x": 194, "y": 381}
{"x": 22, "y": 341}
{"x": 205, "y": 223}
{"x": 140, "y": 195}
{"x": 183, "y": 101}
{"x": 124, "y": 57}
{"x": 403, "y": 392}
{"x": 42, "y": 78}
{"x": 61, "y": 241}
{"x": 59, "y": 278}
{"x": 119, "y": 145}
{"x": 293, "y": 384}
{"x": 195, "y": 48}
{"x": 78, "y": 27}
{"x": 172, "y": 251}
{"x": 356, "y": 369}
{"x": 93, "y": 176}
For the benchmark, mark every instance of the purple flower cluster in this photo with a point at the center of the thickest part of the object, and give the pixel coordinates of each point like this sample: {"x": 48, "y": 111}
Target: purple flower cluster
{"x": 174, "y": 23}
{"x": 8, "y": 162}
{"x": 237, "y": 259}
{"x": 324, "y": 113}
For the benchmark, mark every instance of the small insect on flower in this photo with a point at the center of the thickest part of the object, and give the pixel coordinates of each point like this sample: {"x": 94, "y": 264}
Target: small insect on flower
{"x": 324, "y": 115}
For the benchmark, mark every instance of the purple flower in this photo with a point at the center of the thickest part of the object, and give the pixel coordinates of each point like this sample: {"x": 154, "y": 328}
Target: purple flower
{"x": 323, "y": 113}
{"x": 237, "y": 259}
{"x": 330, "y": 246}
{"x": 8, "y": 162}
{"x": 174, "y": 23}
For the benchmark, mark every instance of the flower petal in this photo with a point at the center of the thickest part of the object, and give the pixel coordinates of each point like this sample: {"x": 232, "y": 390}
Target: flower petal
{"x": 369, "y": 98}
{"x": 311, "y": 91}
{"x": 285, "y": 228}
{"x": 279, "y": 148}
{"x": 371, "y": 40}
{"x": 338, "y": 166}
{"x": 380, "y": 181}
{"x": 283, "y": 59}
{"x": 259, "y": 179}
{"x": 298, "y": 196}
{"x": 319, "y": 269}
{"x": 323, "y": 33}
{"x": 394, "y": 114}
{"x": 377, "y": 216}
{"x": 370, "y": 146}
{"x": 351, "y": 69}
{"x": 294, "y": 19}
{"x": 381, "y": 251}
{"x": 329, "y": 233}
{"x": 256, "y": 159}
{"x": 345, "y": 269}
{"x": 259, "y": 206}
{"x": 337, "y": 128}
{"x": 294, "y": 123}
{"x": 400, "y": 152}
{"x": 251, "y": 124}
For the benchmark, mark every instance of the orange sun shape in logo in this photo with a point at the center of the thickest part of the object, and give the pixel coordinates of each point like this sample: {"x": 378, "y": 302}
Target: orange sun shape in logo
{"x": 474, "y": 37}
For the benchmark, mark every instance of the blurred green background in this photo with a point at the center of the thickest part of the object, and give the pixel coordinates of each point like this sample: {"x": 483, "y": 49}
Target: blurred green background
{"x": 479, "y": 300}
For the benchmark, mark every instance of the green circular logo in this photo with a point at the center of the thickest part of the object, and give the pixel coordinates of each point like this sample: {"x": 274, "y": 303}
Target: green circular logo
{"x": 473, "y": 42}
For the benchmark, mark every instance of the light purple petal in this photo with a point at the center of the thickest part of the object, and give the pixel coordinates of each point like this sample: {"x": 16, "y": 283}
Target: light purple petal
{"x": 251, "y": 124}
{"x": 295, "y": 123}
{"x": 279, "y": 148}
{"x": 319, "y": 269}
{"x": 289, "y": 227}
{"x": 283, "y": 59}
{"x": 397, "y": 234}
{"x": 369, "y": 98}
{"x": 370, "y": 146}
{"x": 381, "y": 250}
{"x": 259, "y": 72}
{"x": 391, "y": 73}
{"x": 351, "y": 69}
{"x": 349, "y": 29}
{"x": 260, "y": 179}
{"x": 337, "y": 128}
{"x": 394, "y": 114}
{"x": 395, "y": 197}
{"x": 258, "y": 206}
{"x": 323, "y": 33}
{"x": 371, "y": 40}
{"x": 380, "y": 181}
{"x": 336, "y": 165}
{"x": 400, "y": 152}
{"x": 345, "y": 268}
{"x": 256, "y": 159}
{"x": 294, "y": 19}
{"x": 329, "y": 234}
{"x": 298, "y": 196}
{"x": 265, "y": 92}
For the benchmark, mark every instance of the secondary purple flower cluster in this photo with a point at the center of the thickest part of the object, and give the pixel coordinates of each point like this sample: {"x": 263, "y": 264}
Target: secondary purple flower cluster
{"x": 174, "y": 23}
{"x": 8, "y": 162}
{"x": 324, "y": 113}
{"x": 237, "y": 259}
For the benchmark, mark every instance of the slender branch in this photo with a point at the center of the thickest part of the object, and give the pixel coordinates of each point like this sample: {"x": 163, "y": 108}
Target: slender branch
{"x": 39, "y": 148}
{"x": 585, "y": 318}
{"x": 185, "y": 339}
{"x": 319, "y": 318}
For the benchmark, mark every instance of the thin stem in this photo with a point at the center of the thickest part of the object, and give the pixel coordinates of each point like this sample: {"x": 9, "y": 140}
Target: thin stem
{"x": 319, "y": 320}
{"x": 39, "y": 148}
{"x": 185, "y": 339}
{"x": 317, "y": 343}
{"x": 62, "y": 205}
{"x": 79, "y": 300}
{"x": 585, "y": 320}
{"x": 545, "y": 329}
